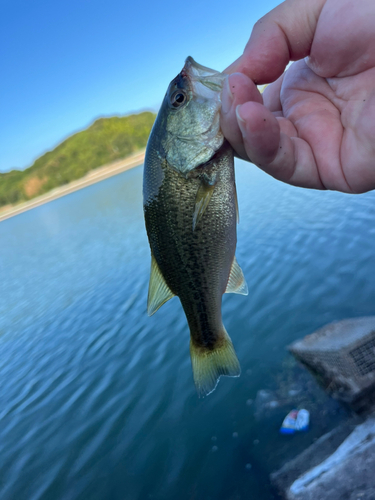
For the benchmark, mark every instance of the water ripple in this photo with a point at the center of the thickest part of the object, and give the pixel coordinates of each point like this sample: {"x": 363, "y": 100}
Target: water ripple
{"x": 97, "y": 399}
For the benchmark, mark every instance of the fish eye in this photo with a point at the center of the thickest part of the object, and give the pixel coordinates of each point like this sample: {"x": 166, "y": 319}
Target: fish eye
{"x": 177, "y": 99}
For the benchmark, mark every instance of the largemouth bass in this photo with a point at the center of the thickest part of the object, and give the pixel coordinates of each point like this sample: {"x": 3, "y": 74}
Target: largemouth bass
{"x": 190, "y": 209}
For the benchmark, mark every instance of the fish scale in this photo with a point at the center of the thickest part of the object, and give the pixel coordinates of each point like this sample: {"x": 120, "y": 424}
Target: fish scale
{"x": 190, "y": 214}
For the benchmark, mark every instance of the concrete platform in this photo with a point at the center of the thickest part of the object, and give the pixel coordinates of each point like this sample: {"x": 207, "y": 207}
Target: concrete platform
{"x": 349, "y": 473}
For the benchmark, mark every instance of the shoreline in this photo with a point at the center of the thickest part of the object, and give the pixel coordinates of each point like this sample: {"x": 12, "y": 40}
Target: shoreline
{"x": 92, "y": 177}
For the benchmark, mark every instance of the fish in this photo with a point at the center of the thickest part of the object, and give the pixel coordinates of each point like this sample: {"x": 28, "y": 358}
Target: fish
{"x": 191, "y": 211}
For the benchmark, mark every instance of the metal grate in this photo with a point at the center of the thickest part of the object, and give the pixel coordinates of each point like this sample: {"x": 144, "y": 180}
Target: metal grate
{"x": 364, "y": 356}
{"x": 342, "y": 357}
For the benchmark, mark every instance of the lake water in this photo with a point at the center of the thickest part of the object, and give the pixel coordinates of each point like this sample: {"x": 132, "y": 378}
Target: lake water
{"x": 97, "y": 400}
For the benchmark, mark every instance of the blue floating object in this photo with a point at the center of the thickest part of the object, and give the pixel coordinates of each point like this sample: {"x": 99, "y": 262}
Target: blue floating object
{"x": 289, "y": 423}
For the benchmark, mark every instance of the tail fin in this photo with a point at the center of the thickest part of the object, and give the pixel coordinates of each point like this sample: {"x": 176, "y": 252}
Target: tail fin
{"x": 209, "y": 364}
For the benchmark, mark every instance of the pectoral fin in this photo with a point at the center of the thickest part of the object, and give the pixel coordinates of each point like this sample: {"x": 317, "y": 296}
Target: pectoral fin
{"x": 158, "y": 290}
{"x": 202, "y": 200}
{"x": 236, "y": 281}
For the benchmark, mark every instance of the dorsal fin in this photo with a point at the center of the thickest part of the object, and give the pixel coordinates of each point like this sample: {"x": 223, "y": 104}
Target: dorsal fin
{"x": 158, "y": 290}
{"x": 236, "y": 204}
{"x": 236, "y": 281}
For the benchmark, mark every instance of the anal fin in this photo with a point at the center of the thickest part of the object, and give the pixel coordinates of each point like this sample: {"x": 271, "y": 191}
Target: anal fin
{"x": 236, "y": 281}
{"x": 158, "y": 290}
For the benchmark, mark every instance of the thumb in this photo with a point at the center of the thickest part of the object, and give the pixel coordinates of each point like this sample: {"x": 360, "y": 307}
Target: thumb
{"x": 284, "y": 34}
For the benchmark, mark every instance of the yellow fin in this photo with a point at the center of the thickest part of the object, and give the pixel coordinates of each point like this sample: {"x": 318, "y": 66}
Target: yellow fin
{"x": 210, "y": 364}
{"x": 158, "y": 291}
{"x": 202, "y": 200}
{"x": 236, "y": 281}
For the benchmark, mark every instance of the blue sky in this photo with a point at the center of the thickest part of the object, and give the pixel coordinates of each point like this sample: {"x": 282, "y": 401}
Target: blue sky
{"x": 63, "y": 64}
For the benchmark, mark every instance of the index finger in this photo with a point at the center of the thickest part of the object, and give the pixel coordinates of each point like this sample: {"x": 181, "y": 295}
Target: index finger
{"x": 284, "y": 34}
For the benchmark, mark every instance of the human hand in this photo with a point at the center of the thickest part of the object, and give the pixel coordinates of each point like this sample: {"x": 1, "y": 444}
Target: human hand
{"x": 314, "y": 126}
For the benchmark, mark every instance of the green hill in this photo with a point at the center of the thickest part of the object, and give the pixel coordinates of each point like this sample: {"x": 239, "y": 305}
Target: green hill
{"x": 106, "y": 140}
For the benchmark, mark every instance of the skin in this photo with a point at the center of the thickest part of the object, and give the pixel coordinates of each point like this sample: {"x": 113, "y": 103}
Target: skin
{"x": 314, "y": 125}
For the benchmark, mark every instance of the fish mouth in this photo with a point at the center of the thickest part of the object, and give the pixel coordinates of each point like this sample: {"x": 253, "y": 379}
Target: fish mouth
{"x": 209, "y": 78}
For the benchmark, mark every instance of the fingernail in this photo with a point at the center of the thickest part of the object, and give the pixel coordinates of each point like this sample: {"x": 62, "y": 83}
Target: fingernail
{"x": 241, "y": 121}
{"x": 309, "y": 62}
{"x": 226, "y": 97}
